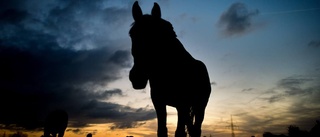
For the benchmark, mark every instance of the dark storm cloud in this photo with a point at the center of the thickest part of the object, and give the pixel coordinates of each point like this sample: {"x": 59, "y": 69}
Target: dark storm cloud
{"x": 107, "y": 94}
{"x": 121, "y": 116}
{"x": 134, "y": 118}
{"x": 13, "y": 16}
{"x": 61, "y": 54}
{"x": 77, "y": 24}
{"x": 237, "y": 19}
{"x": 315, "y": 44}
{"x": 121, "y": 57}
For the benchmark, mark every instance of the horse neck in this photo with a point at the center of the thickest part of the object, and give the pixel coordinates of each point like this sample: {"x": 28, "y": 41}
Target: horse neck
{"x": 171, "y": 54}
{"x": 176, "y": 51}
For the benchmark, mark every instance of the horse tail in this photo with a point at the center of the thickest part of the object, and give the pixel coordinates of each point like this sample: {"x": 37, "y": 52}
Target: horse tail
{"x": 190, "y": 121}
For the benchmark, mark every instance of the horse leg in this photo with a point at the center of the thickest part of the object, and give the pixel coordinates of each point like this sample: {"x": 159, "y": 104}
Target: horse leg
{"x": 182, "y": 119}
{"x": 61, "y": 133}
{"x": 162, "y": 120}
{"x": 199, "y": 116}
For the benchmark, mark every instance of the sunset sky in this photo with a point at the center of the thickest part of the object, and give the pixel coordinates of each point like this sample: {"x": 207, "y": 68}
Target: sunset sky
{"x": 263, "y": 59}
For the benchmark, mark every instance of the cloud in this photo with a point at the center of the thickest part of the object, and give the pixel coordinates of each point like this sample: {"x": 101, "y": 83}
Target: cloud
{"x": 315, "y": 44}
{"x": 63, "y": 54}
{"x": 13, "y": 16}
{"x": 186, "y": 17}
{"x": 124, "y": 125}
{"x": 237, "y": 19}
{"x": 121, "y": 57}
{"x": 302, "y": 94}
{"x": 292, "y": 87}
{"x": 256, "y": 124}
{"x": 213, "y": 83}
{"x": 76, "y": 24}
{"x": 247, "y": 90}
{"x": 292, "y": 101}
{"x": 275, "y": 98}
{"x": 36, "y": 80}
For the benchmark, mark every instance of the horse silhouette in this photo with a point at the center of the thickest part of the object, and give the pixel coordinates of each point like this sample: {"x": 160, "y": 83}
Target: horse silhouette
{"x": 176, "y": 78}
{"x": 56, "y": 123}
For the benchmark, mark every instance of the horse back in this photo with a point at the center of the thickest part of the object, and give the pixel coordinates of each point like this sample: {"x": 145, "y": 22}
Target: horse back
{"x": 197, "y": 81}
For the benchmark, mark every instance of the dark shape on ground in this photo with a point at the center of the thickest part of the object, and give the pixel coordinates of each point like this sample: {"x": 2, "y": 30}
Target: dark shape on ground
{"x": 269, "y": 134}
{"x": 176, "y": 78}
{"x": 89, "y": 135}
{"x": 56, "y": 123}
{"x": 295, "y": 131}
{"x": 315, "y": 131}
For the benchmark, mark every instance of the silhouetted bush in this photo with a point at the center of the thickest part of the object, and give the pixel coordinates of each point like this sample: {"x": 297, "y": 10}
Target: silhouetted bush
{"x": 294, "y": 131}
{"x": 315, "y": 130}
{"x": 269, "y": 134}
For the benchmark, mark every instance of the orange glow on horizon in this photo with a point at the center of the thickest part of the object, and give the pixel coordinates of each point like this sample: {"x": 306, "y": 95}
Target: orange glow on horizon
{"x": 146, "y": 130}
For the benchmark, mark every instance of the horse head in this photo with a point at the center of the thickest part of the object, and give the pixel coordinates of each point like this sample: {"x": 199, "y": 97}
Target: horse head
{"x": 149, "y": 34}
{"x": 154, "y": 43}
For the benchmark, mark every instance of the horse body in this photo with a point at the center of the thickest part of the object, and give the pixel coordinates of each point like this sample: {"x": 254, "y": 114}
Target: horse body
{"x": 175, "y": 77}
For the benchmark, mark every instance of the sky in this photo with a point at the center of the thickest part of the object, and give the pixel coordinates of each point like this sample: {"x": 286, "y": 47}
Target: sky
{"x": 263, "y": 58}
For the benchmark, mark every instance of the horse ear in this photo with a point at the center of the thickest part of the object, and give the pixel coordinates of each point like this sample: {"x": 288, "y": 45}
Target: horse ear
{"x": 136, "y": 11}
{"x": 156, "y": 12}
